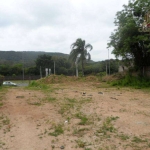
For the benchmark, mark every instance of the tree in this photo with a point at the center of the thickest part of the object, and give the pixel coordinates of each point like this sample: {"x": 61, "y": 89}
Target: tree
{"x": 80, "y": 50}
{"x": 127, "y": 41}
{"x": 44, "y": 61}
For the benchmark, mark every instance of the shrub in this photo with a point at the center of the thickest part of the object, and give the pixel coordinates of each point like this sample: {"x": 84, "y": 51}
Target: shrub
{"x": 1, "y": 80}
{"x": 129, "y": 80}
{"x": 38, "y": 85}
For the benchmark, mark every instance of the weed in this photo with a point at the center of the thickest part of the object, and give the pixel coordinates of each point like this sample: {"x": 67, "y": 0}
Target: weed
{"x": 2, "y": 144}
{"x": 51, "y": 99}
{"x": 107, "y": 126}
{"x": 65, "y": 108}
{"x": 37, "y": 85}
{"x": 6, "y": 121}
{"x": 53, "y": 146}
{"x": 1, "y": 104}
{"x": 80, "y": 132}
{"x": 136, "y": 82}
{"x": 85, "y": 100}
{"x": 83, "y": 118}
{"x": 57, "y": 131}
{"x": 81, "y": 144}
{"x": 123, "y": 137}
{"x": 71, "y": 100}
{"x": 138, "y": 140}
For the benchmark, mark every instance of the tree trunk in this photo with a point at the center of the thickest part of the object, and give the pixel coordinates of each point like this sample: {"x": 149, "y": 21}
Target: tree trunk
{"x": 82, "y": 68}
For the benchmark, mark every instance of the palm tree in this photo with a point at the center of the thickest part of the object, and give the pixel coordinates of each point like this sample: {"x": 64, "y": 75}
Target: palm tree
{"x": 80, "y": 50}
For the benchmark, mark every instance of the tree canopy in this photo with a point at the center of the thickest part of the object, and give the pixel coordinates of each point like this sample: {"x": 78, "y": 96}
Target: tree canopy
{"x": 126, "y": 40}
{"x": 80, "y": 50}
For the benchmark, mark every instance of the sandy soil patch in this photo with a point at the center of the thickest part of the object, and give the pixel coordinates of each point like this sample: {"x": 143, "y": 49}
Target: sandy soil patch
{"x": 75, "y": 117}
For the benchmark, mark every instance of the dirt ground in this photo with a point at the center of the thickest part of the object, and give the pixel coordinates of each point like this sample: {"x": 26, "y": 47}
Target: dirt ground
{"x": 80, "y": 116}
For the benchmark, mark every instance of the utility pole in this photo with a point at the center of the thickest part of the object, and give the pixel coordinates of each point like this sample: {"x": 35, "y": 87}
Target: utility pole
{"x": 108, "y": 61}
{"x": 22, "y": 66}
{"x": 40, "y": 72}
{"x": 54, "y": 67}
{"x": 106, "y": 67}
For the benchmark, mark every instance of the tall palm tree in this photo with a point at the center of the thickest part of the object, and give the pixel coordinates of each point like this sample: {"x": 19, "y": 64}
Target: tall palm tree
{"x": 80, "y": 50}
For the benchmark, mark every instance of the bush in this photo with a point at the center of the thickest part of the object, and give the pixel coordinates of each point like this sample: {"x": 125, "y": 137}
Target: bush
{"x": 38, "y": 85}
{"x": 1, "y": 80}
{"x": 129, "y": 80}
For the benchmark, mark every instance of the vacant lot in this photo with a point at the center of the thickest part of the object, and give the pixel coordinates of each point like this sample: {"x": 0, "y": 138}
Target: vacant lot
{"x": 74, "y": 116}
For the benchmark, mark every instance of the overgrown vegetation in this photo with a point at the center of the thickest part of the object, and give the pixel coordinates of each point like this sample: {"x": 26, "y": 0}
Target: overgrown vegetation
{"x": 132, "y": 81}
{"x": 1, "y": 80}
{"x": 127, "y": 41}
{"x": 37, "y": 85}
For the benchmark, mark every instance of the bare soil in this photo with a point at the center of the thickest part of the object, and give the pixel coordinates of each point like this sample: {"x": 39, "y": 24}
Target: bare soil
{"x": 75, "y": 116}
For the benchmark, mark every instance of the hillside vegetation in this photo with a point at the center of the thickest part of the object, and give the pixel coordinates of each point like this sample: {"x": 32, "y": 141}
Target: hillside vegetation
{"x": 27, "y": 57}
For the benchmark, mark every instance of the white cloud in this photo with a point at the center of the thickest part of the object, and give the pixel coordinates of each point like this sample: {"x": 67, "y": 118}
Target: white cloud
{"x": 54, "y": 25}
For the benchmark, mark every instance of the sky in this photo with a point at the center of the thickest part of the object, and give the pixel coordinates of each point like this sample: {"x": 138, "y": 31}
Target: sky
{"x": 53, "y": 25}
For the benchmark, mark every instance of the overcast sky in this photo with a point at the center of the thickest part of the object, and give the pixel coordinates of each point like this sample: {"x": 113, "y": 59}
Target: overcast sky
{"x": 53, "y": 25}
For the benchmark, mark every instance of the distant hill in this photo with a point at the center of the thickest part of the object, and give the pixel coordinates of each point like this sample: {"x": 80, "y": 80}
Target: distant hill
{"x": 26, "y": 57}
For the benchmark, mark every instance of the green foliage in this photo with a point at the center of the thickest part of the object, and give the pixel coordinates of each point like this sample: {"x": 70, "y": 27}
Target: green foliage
{"x": 138, "y": 140}
{"x": 57, "y": 131}
{"x": 81, "y": 143}
{"x": 136, "y": 82}
{"x": 1, "y": 80}
{"x": 83, "y": 118}
{"x": 99, "y": 68}
{"x": 127, "y": 42}
{"x": 123, "y": 137}
{"x": 28, "y": 57}
{"x": 62, "y": 66}
{"x": 79, "y": 52}
{"x": 38, "y": 85}
{"x": 4, "y": 120}
{"x": 51, "y": 99}
{"x": 44, "y": 61}
{"x": 107, "y": 125}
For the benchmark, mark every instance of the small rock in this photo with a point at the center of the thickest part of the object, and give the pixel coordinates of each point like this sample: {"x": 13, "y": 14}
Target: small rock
{"x": 66, "y": 121}
{"x": 19, "y": 96}
{"x": 100, "y": 92}
{"x": 62, "y": 147}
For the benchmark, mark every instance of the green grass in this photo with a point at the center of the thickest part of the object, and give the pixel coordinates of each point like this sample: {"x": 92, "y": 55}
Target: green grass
{"x": 36, "y": 103}
{"x": 71, "y": 100}
{"x": 123, "y": 137}
{"x": 38, "y": 86}
{"x": 107, "y": 126}
{"x": 1, "y": 104}
{"x": 4, "y": 120}
{"x": 138, "y": 140}
{"x": 51, "y": 99}
{"x": 80, "y": 132}
{"x": 80, "y": 143}
{"x": 2, "y": 144}
{"x": 4, "y": 123}
{"x": 57, "y": 130}
{"x": 83, "y": 118}
{"x": 131, "y": 81}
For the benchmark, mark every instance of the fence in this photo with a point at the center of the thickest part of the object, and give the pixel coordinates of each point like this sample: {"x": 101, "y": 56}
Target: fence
{"x": 147, "y": 71}
{"x": 26, "y": 77}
